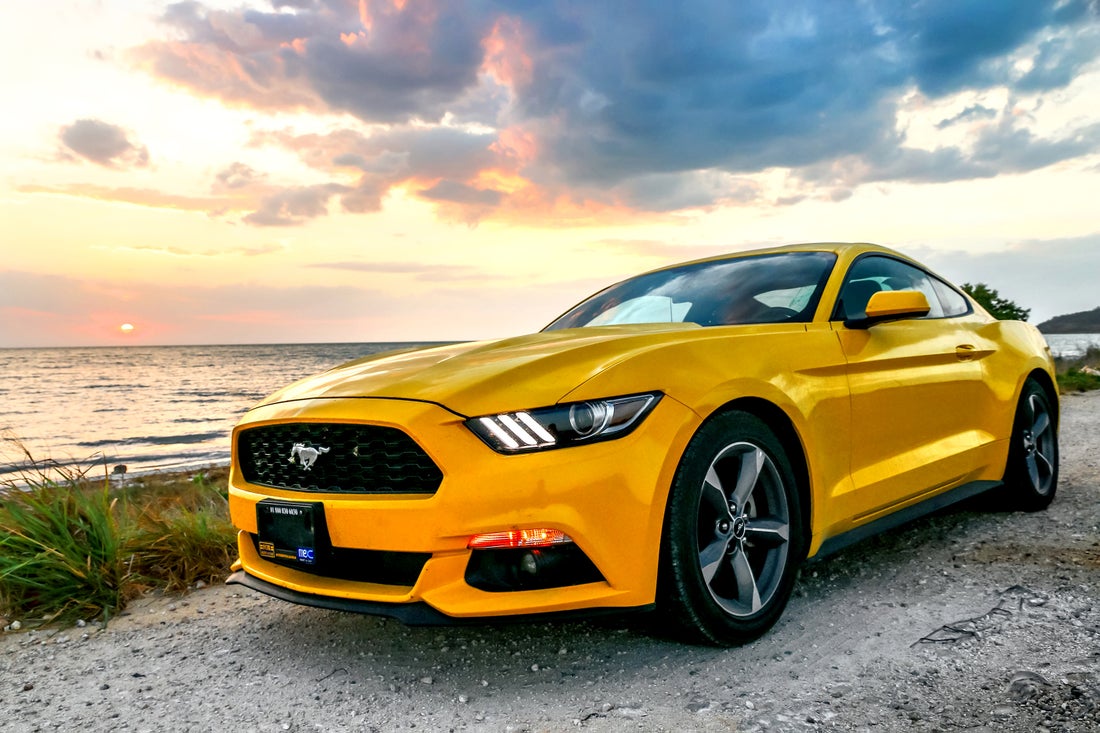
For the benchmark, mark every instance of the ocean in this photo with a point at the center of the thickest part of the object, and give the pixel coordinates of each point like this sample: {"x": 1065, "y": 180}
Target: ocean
{"x": 1072, "y": 344}
{"x": 147, "y": 408}
{"x": 170, "y": 407}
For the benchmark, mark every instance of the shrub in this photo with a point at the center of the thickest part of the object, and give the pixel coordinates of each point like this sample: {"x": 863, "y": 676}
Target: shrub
{"x": 1077, "y": 374}
{"x": 63, "y": 553}
{"x": 72, "y": 548}
{"x": 188, "y": 539}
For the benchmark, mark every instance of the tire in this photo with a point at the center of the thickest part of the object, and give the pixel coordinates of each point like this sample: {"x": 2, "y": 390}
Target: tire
{"x": 732, "y": 539}
{"x": 1031, "y": 474}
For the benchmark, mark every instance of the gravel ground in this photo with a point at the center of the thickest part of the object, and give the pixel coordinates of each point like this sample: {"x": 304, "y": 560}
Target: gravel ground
{"x": 971, "y": 620}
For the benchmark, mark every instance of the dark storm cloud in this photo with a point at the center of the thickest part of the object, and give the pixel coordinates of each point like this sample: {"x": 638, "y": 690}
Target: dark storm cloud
{"x": 103, "y": 143}
{"x": 791, "y": 84}
{"x": 630, "y": 103}
{"x": 951, "y": 39}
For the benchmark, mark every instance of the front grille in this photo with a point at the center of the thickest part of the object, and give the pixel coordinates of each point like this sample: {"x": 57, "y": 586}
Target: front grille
{"x": 363, "y": 459}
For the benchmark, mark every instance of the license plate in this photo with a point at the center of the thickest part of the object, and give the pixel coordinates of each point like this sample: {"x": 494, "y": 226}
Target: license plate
{"x": 291, "y": 531}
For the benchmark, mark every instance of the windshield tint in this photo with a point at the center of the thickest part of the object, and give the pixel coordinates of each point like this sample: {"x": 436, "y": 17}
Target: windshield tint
{"x": 758, "y": 289}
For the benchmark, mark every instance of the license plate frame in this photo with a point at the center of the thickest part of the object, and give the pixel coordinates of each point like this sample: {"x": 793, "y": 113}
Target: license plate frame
{"x": 292, "y": 532}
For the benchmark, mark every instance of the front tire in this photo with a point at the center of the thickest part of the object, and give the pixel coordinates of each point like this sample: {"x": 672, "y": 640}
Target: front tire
{"x": 1031, "y": 475}
{"x": 732, "y": 540}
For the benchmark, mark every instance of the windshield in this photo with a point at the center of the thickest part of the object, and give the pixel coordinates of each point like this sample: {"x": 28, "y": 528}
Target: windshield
{"x": 774, "y": 288}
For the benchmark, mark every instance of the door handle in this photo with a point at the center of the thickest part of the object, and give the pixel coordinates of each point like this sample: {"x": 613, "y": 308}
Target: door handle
{"x": 965, "y": 352}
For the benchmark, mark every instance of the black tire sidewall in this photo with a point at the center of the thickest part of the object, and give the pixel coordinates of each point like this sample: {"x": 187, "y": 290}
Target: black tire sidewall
{"x": 684, "y": 595}
{"x": 1021, "y": 492}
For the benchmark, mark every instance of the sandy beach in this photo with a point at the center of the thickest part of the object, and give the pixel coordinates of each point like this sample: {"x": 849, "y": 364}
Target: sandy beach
{"x": 972, "y": 620}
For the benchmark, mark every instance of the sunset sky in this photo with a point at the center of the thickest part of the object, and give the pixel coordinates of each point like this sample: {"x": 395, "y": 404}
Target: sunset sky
{"x": 332, "y": 170}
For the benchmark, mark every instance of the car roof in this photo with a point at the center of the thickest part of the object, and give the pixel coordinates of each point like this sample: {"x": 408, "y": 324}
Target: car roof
{"x": 843, "y": 250}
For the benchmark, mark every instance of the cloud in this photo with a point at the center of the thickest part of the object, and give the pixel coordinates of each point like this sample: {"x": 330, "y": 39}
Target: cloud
{"x": 256, "y": 251}
{"x": 971, "y": 113}
{"x": 104, "y": 144}
{"x": 139, "y": 196}
{"x": 459, "y": 193}
{"x": 427, "y": 273}
{"x": 296, "y": 205}
{"x": 237, "y": 175}
{"x": 517, "y": 109}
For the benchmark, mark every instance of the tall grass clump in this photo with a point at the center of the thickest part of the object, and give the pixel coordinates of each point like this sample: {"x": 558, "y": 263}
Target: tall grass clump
{"x": 76, "y": 548}
{"x": 186, "y": 539}
{"x": 63, "y": 548}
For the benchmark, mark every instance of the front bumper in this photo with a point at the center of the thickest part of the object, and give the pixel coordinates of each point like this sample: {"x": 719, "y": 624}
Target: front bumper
{"x": 608, "y": 497}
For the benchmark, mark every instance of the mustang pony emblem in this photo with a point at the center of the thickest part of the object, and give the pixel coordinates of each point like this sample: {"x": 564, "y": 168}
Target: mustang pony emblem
{"x": 306, "y": 454}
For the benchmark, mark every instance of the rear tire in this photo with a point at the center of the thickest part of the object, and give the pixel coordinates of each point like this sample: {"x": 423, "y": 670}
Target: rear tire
{"x": 1031, "y": 475}
{"x": 732, "y": 540}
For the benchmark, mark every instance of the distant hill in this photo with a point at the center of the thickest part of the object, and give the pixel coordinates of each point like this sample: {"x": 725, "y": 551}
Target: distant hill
{"x": 1083, "y": 322}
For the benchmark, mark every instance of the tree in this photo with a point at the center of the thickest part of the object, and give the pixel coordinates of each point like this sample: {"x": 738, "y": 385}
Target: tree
{"x": 1000, "y": 308}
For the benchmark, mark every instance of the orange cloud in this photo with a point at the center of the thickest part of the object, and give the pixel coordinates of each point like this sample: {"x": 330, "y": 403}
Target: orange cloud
{"x": 505, "y": 58}
{"x": 228, "y": 76}
{"x": 147, "y": 197}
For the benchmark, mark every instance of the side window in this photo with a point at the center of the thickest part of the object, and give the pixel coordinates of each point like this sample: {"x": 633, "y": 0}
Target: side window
{"x": 953, "y": 303}
{"x": 871, "y": 274}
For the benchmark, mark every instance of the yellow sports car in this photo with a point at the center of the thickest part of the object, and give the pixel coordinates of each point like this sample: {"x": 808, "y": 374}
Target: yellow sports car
{"x": 682, "y": 440}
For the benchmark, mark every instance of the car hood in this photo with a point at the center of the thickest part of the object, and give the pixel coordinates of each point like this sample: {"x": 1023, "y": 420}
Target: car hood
{"x": 489, "y": 376}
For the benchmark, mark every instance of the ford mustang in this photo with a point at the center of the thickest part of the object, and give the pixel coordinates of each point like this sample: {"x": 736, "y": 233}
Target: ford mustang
{"x": 680, "y": 441}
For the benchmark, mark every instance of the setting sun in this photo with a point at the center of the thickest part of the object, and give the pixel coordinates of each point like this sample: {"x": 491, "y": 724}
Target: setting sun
{"x": 126, "y": 328}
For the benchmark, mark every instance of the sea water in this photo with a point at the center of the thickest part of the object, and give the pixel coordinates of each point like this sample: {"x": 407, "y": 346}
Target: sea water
{"x": 146, "y": 408}
{"x": 1072, "y": 345}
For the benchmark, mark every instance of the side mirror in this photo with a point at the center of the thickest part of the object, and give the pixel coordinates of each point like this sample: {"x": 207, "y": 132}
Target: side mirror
{"x": 892, "y": 305}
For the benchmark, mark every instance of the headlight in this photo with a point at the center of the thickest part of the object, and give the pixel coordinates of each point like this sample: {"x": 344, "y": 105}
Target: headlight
{"x": 561, "y": 426}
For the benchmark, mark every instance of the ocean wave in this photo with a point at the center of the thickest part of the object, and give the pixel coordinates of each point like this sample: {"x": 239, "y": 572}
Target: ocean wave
{"x": 156, "y": 440}
{"x": 97, "y": 467}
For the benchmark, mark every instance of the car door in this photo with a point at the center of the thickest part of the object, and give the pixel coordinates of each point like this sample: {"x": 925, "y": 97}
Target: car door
{"x": 916, "y": 390}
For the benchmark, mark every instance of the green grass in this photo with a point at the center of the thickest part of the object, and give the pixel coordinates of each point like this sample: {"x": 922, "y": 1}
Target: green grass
{"x": 62, "y": 554}
{"x": 1072, "y": 376}
{"x": 73, "y": 547}
{"x": 186, "y": 538}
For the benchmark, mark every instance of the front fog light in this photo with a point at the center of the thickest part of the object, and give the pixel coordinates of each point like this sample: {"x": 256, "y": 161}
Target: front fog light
{"x": 563, "y": 425}
{"x": 514, "y": 538}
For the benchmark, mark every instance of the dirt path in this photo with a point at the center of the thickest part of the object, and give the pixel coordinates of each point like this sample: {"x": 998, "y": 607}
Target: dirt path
{"x": 970, "y": 620}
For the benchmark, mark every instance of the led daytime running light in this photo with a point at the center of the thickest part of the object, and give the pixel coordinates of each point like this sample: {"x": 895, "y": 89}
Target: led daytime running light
{"x": 563, "y": 425}
{"x": 517, "y": 538}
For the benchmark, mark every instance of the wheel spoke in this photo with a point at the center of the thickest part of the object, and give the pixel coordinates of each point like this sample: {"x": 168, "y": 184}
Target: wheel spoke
{"x": 752, "y": 462}
{"x": 1041, "y": 425}
{"x": 767, "y": 532}
{"x": 747, "y": 591}
{"x": 710, "y": 558}
{"x": 1047, "y": 465}
{"x": 714, "y": 495}
{"x": 1031, "y": 409}
{"x": 1033, "y": 470}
